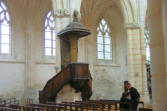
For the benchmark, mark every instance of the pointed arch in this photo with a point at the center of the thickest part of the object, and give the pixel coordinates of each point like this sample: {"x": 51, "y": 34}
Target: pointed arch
{"x": 125, "y": 6}
{"x": 127, "y": 10}
{"x": 5, "y": 33}
{"x": 104, "y": 41}
{"x": 50, "y": 35}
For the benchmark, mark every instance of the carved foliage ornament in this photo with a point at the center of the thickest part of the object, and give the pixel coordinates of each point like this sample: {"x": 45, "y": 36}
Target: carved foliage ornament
{"x": 62, "y": 12}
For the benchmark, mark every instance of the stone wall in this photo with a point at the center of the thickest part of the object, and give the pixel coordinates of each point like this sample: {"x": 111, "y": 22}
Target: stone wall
{"x": 108, "y": 76}
{"x": 26, "y": 70}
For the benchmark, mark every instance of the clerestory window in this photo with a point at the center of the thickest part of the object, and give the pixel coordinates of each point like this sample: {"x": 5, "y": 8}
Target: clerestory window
{"x": 104, "y": 41}
{"x": 5, "y": 34}
{"x": 50, "y": 35}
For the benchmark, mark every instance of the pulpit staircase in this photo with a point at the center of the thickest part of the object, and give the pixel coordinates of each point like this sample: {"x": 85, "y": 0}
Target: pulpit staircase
{"x": 75, "y": 74}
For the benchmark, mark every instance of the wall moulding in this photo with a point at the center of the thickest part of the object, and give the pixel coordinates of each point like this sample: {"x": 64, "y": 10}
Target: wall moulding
{"x": 46, "y": 63}
{"x": 106, "y": 65}
{"x": 12, "y": 61}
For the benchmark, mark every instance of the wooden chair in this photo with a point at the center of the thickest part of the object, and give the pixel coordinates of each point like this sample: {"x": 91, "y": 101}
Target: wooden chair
{"x": 7, "y": 109}
{"x": 145, "y": 109}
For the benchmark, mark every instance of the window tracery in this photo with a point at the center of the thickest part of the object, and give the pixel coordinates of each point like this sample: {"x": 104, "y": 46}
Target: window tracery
{"x": 50, "y": 35}
{"x": 5, "y": 35}
{"x": 104, "y": 42}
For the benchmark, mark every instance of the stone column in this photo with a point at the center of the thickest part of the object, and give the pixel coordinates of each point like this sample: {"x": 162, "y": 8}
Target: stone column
{"x": 165, "y": 26}
{"x": 158, "y": 71}
{"x": 30, "y": 67}
{"x": 62, "y": 18}
{"x": 165, "y": 34}
{"x": 30, "y": 64}
{"x": 136, "y": 60}
{"x": 58, "y": 55}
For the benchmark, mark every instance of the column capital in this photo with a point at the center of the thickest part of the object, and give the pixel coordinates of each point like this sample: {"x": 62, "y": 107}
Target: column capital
{"x": 62, "y": 12}
{"x": 132, "y": 25}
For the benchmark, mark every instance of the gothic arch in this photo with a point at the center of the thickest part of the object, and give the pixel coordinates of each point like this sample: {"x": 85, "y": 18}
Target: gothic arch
{"x": 125, "y": 7}
{"x": 127, "y": 10}
{"x": 5, "y": 30}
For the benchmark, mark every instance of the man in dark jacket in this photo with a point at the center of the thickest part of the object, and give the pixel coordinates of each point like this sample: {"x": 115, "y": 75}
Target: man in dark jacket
{"x": 125, "y": 101}
{"x": 135, "y": 96}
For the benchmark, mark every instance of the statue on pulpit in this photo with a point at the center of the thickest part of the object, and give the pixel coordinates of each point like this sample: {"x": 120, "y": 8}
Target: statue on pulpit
{"x": 75, "y": 15}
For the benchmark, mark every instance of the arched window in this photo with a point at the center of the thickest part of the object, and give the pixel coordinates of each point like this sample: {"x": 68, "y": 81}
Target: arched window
{"x": 50, "y": 38}
{"x": 104, "y": 43}
{"x": 147, "y": 43}
{"x": 5, "y": 36}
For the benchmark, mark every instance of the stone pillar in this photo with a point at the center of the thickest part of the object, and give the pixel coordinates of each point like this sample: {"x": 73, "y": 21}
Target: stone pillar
{"x": 62, "y": 18}
{"x": 30, "y": 62}
{"x": 58, "y": 55}
{"x": 165, "y": 34}
{"x": 165, "y": 26}
{"x": 158, "y": 71}
{"x": 136, "y": 60}
{"x": 143, "y": 67}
